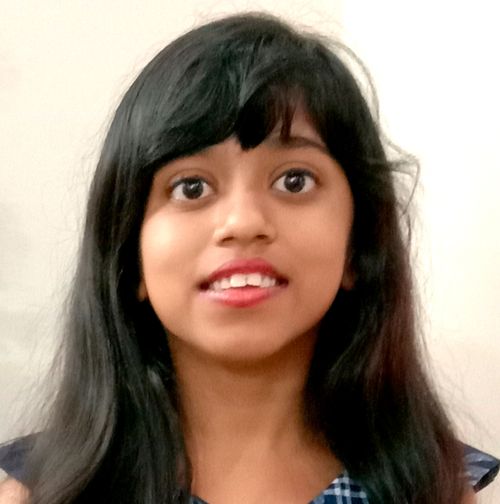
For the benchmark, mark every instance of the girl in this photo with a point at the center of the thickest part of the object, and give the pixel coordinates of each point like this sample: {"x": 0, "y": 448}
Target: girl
{"x": 242, "y": 323}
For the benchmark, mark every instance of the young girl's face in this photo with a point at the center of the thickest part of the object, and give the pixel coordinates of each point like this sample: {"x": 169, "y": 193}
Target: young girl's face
{"x": 243, "y": 252}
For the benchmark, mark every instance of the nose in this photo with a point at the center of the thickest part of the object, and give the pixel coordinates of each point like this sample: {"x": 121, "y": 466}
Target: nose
{"x": 244, "y": 219}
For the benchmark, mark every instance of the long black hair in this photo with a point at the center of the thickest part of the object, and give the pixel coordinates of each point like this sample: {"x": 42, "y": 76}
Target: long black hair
{"x": 113, "y": 434}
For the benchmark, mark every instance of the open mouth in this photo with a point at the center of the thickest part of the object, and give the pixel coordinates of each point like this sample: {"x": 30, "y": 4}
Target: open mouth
{"x": 243, "y": 280}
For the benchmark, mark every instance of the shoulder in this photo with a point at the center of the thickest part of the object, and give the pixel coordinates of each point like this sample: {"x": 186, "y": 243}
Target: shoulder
{"x": 13, "y": 457}
{"x": 12, "y": 460}
{"x": 13, "y": 492}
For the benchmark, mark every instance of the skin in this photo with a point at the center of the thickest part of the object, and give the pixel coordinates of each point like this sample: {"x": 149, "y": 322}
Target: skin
{"x": 244, "y": 214}
{"x": 13, "y": 492}
{"x": 245, "y": 368}
{"x": 241, "y": 371}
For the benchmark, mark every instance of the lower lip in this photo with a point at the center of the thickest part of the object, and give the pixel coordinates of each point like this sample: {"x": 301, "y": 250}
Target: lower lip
{"x": 243, "y": 297}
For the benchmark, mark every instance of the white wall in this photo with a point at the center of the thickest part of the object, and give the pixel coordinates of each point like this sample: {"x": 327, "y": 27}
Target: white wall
{"x": 435, "y": 64}
{"x": 63, "y": 66}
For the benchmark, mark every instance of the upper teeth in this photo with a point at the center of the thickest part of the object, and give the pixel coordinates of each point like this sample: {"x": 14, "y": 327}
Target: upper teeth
{"x": 241, "y": 280}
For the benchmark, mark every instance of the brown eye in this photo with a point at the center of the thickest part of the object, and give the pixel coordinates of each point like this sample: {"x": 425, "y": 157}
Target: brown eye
{"x": 190, "y": 188}
{"x": 295, "y": 181}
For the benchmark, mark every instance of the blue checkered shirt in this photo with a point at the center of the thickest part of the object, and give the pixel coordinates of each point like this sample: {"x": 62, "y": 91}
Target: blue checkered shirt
{"x": 342, "y": 490}
{"x": 481, "y": 470}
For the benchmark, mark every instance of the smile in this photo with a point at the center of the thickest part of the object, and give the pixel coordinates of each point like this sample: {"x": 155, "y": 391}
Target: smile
{"x": 243, "y": 282}
{"x": 239, "y": 280}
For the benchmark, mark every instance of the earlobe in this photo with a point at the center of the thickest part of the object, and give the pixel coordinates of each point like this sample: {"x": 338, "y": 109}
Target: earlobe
{"x": 348, "y": 279}
{"x": 348, "y": 276}
{"x": 142, "y": 292}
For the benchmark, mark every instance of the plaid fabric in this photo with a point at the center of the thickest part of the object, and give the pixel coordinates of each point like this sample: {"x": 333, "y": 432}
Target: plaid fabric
{"x": 481, "y": 467}
{"x": 13, "y": 454}
{"x": 342, "y": 490}
{"x": 481, "y": 470}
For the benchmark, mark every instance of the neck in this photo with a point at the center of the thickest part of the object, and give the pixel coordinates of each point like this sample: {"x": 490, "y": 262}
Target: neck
{"x": 245, "y": 399}
{"x": 238, "y": 415}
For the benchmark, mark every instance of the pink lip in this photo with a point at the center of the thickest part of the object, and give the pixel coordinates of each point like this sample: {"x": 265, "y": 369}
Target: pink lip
{"x": 247, "y": 296}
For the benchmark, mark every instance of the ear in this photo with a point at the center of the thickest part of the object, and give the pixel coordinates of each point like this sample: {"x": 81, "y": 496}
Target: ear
{"x": 348, "y": 279}
{"x": 348, "y": 276}
{"x": 142, "y": 292}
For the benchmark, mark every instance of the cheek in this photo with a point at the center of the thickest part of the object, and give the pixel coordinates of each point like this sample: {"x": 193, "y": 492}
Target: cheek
{"x": 322, "y": 236}
{"x": 166, "y": 254}
{"x": 168, "y": 249}
{"x": 159, "y": 248}
{"x": 321, "y": 283}
{"x": 321, "y": 245}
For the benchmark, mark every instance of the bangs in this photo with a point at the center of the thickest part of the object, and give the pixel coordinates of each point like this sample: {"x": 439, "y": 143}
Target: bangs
{"x": 241, "y": 88}
{"x": 270, "y": 108}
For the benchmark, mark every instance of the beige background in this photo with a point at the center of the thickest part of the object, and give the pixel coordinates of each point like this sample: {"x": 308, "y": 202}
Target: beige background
{"x": 63, "y": 67}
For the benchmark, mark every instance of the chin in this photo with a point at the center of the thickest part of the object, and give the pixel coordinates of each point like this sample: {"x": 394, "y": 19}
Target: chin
{"x": 248, "y": 349}
{"x": 245, "y": 350}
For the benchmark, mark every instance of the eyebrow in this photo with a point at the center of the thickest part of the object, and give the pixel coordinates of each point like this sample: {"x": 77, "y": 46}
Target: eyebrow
{"x": 277, "y": 142}
{"x": 295, "y": 142}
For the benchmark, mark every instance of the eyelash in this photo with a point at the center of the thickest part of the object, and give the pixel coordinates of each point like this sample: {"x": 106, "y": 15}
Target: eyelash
{"x": 296, "y": 172}
{"x": 180, "y": 183}
{"x": 177, "y": 189}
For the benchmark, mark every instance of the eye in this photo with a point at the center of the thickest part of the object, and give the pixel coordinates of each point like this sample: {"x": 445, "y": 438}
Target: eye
{"x": 190, "y": 188}
{"x": 295, "y": 181}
